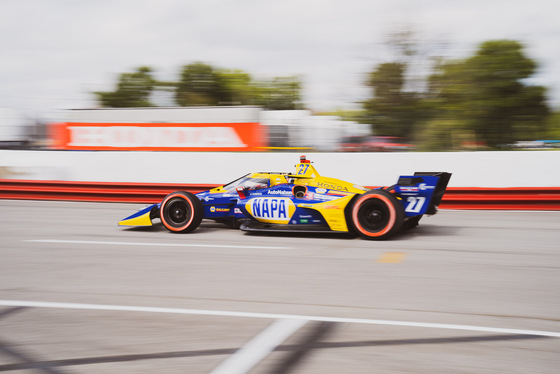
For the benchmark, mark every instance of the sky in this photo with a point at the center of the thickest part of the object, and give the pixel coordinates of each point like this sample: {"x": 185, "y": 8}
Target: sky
{"x": 55, "y": 53}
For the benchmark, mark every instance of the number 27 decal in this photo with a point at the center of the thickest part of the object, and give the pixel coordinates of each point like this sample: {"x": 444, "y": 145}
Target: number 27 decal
{"x": 302, "y": 169}
{"x": 415, "y": 204}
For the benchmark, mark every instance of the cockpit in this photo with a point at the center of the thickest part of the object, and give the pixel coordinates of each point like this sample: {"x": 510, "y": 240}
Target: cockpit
{"x": 248, "y": 182}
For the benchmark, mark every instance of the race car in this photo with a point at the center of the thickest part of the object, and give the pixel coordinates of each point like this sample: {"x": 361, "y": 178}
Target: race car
{"x": 302, "y": 201}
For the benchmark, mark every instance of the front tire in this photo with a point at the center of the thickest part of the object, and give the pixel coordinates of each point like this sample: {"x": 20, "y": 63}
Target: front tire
{"x": 376, "y": 215}
{"x": 181, "y": 212}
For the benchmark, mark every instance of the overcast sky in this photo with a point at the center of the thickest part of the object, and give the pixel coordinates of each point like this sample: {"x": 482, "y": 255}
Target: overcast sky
{"x": 54, "y": 53}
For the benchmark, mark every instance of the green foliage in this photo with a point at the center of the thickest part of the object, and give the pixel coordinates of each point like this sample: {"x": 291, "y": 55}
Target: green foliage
{"x": 553, "y": 127}
{"x": 133, "y": 90}
{"x": 441, "y": 134}
{"x": 201, "y": 84}
{"x": 482, "y": 101}
{"x": 235, "y": 88}
{"x": 393, "y": 111}
{"x": 487, "y": 92}
{"x": 500, "y": 107}
{"x": 280, "y": 93}
{"x": 347, "y": 115}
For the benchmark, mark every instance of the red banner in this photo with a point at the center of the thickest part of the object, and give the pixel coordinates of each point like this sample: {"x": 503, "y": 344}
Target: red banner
{"x": 212, "y": 137}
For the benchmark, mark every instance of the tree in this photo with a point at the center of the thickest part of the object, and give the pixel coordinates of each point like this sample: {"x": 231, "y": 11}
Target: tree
{"x": 484, "y": 99}
{"x": 487, "y": 92}
{"x": 235, "y": 88}
{"x": 553, "y": 126}
{"x": 199, "y": 85}
{"x": 280, "y": 93}
{"x": 396, "y": 107}
{"x": 502, "y": 108}
{"x": 446, "y": 127}
{"x": 202, "y": 84}
{"x": 133, "y": 90}
{"x": 391, "y": 110}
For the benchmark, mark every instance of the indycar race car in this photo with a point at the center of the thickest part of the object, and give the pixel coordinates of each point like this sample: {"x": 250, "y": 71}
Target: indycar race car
{"x": 303, "y": 201}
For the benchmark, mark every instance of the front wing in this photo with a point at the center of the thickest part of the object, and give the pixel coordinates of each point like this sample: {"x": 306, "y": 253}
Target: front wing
{"x": 141, "y": 218}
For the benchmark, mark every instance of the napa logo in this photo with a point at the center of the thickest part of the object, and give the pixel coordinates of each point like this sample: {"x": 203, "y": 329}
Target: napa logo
{"x": 271, "y": 209}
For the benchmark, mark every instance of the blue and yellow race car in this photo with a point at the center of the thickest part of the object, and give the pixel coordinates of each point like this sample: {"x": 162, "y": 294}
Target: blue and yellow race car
{"x": 303, "y": 201}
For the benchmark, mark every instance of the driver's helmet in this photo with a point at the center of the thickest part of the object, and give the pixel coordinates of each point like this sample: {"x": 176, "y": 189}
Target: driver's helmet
{"x": 254, "y": 184}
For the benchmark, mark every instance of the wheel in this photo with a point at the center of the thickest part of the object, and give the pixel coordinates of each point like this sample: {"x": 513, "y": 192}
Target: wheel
{"x": 376, "y": 215}
{"x": 181, "y": 212}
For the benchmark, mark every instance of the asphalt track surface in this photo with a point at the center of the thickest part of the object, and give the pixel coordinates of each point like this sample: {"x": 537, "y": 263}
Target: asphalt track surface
{"x": 465, "y": 292}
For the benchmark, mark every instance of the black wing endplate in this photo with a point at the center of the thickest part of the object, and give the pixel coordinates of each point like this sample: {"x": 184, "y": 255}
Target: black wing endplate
{"x": 441, "y": 186}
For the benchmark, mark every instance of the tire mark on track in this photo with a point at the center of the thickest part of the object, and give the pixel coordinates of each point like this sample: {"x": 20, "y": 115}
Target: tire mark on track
{"x": 298, "y": 351}
{"x": 302, "y": 350}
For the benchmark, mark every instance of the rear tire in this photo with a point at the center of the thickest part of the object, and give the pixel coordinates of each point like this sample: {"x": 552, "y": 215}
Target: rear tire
{"x": 181, "y": 212}
{"x": 376, "y": 215}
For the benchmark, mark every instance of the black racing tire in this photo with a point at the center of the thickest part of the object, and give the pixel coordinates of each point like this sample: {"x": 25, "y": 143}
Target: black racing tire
{"x": 375, "y": 215}
{"x": 181, "y": 212}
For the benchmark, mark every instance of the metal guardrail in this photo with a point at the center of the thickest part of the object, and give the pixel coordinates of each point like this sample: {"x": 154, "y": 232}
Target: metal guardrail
{"x": 92, "y": 191}
{"x": 513, "y": 198}
{"x": 516, "y": 198}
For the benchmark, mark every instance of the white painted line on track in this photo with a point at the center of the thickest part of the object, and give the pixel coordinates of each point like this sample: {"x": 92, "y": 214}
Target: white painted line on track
{"x": 59, "y": 241}
{"x": 259, "y": 347}
{"x": 41, "y": 304}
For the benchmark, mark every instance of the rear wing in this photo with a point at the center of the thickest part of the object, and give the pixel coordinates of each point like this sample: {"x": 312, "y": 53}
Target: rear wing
{"x": 420, "y": 188}
{"x": 441, "y": 186}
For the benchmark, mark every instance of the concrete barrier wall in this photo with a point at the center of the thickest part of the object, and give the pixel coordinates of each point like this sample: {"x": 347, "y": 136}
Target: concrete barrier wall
{"x": 470, "y": 169}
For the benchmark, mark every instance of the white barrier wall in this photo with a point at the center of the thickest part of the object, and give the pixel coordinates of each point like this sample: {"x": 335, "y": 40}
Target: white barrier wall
{"x": 470, "y": 169}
